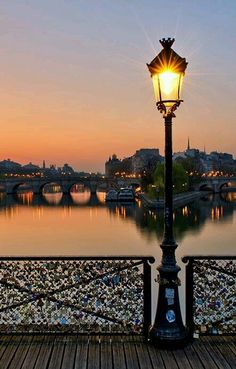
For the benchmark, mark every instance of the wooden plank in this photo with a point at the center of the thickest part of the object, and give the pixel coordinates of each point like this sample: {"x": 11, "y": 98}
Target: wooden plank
{"x": 4, "y": 342}
{"x": 45, "y": 352}
{"x": 118, "y": 353}
{"x": 94, "y": 352}
{"x": 169, "y": 360}
{"x": 143, "y": 353}
{"x": 130, "y": 353}
{"x": 213, "y": 350}
{"x": 204, "y": 354}
{"x": 81, "y": 356}
{"x": 32, "y": 354}
{"x": 181, "y": 359}
{"x": 155, "y": 357}
{"x": 226, "y": 352}
{"x": 193, "y": 357}
{"x": 57, "y": 353}
{"x": 231, "y": 342}
{"x": 21, "y": 352}
{"x": 10, "y": 351}
{"x": 106, "y": 352}
{"x": 69, "y": 353}
{"x": 72, "y": 352}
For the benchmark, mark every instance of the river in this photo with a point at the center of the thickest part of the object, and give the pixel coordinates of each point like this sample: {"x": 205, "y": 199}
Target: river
{"x": 81, "y": 224}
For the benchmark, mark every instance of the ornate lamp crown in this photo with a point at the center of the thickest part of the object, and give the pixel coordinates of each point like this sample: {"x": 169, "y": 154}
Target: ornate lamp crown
{"x": 167, "y": 59}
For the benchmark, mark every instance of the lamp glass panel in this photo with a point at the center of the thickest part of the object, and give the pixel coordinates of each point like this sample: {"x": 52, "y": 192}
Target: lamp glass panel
{"x": 170, "y": 84}
{"x": 156, "y": 87}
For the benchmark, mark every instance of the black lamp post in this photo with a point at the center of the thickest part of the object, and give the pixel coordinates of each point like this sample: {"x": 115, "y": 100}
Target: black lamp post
{"x": 167, "y": 71}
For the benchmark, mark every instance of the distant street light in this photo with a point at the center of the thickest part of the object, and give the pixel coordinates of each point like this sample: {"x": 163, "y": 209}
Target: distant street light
{"x": 167, "y": 71}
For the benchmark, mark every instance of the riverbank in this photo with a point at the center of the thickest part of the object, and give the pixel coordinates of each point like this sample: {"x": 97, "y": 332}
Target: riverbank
{"x": 178, "y": 200}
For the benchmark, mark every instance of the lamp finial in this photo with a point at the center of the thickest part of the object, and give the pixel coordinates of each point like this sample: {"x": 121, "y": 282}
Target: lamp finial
{"x": 167, "y": 42}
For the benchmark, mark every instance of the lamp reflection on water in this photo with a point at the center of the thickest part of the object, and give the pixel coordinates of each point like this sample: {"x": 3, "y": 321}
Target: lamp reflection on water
{"x": 26, "y": 198}
{"x": 217, "y": 213}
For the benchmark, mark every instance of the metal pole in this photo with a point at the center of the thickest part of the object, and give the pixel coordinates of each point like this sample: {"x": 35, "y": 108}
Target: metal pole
{"x": 168, "y": 231}
{"x": 168, "y": 329}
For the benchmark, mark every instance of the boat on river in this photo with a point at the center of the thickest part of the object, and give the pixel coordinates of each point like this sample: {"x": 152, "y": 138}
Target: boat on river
{"x": 126, "y": 194}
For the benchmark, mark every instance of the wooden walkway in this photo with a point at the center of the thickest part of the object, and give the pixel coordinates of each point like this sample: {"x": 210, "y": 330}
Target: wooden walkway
{"x": 82, "y": 352}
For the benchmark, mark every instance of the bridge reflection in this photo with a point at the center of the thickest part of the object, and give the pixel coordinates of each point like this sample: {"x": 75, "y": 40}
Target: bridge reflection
{"x": 51, "y": 199}
{"x": 188, "y": 219}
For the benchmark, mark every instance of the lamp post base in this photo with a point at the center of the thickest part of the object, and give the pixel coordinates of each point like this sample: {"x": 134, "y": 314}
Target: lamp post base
{"x": 168, "y": 330}
{"x": 172, "y": 338}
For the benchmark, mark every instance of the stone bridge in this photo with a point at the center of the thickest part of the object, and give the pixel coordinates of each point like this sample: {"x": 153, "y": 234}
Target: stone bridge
{"x": 11, "y": 185}
{"x": 215, "y": 184}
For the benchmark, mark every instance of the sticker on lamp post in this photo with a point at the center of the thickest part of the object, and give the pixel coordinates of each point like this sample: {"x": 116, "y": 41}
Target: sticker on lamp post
{"x": 170, "y": 316}
{"x": 169, "y": 295}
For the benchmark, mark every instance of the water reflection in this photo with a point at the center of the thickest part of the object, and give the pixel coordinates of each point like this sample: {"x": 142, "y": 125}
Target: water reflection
{"x": 53, "y": 198}
{"x": 25, "y": 198}
{"x": 228, "y": 196}
{"x": 188, "y": 219}
{"x": 81, "y": 197}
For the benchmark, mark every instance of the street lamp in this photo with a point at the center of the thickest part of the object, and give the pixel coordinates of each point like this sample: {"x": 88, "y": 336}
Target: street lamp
{"x": 167, "y": 71}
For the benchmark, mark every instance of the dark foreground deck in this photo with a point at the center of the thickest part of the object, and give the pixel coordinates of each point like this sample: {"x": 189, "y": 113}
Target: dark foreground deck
{"x": 82, "y": 352}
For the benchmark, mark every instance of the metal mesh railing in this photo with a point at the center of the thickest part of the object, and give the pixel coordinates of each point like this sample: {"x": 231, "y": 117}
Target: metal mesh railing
{"x": 76, "y": 295}
{"x": 211, "y": 294}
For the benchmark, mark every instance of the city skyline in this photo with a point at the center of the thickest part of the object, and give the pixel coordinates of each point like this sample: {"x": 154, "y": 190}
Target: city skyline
{"x": 74, "y": 82}
{"x": 47, "y": 164}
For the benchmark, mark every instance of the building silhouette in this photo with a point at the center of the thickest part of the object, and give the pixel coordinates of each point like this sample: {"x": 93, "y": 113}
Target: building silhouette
{"x": 143, "y": 161}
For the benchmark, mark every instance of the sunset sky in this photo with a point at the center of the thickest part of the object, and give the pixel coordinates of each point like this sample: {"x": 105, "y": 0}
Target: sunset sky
{"x": 74, "y": 86}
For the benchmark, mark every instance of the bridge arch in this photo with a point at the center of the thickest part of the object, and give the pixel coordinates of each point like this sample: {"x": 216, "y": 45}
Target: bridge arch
{"x": 223, "y": 185}
{"x": 16, "y": 186}
{"x": 80, "y": 185}
{"x": 41, "y": 187}
{"x": 206, "y": 187}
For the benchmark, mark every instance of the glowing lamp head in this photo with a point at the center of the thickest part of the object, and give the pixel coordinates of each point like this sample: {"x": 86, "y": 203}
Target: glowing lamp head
{"x": 167, "y": 70}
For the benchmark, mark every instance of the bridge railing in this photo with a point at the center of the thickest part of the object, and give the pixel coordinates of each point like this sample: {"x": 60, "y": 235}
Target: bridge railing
{"x": 210, "y": 295}
{"x": 106, "y": 295}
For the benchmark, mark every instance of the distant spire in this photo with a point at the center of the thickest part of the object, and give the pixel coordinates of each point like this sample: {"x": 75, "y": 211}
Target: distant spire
{"x": 188, "y": 148}
{"x": 44, "y": 165}
{"x": 204, "y": 149}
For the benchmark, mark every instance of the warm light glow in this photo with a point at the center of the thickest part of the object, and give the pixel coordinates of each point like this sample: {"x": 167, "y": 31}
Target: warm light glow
{"x": 168, "y": 81}
{"x": 167, "y": 86}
